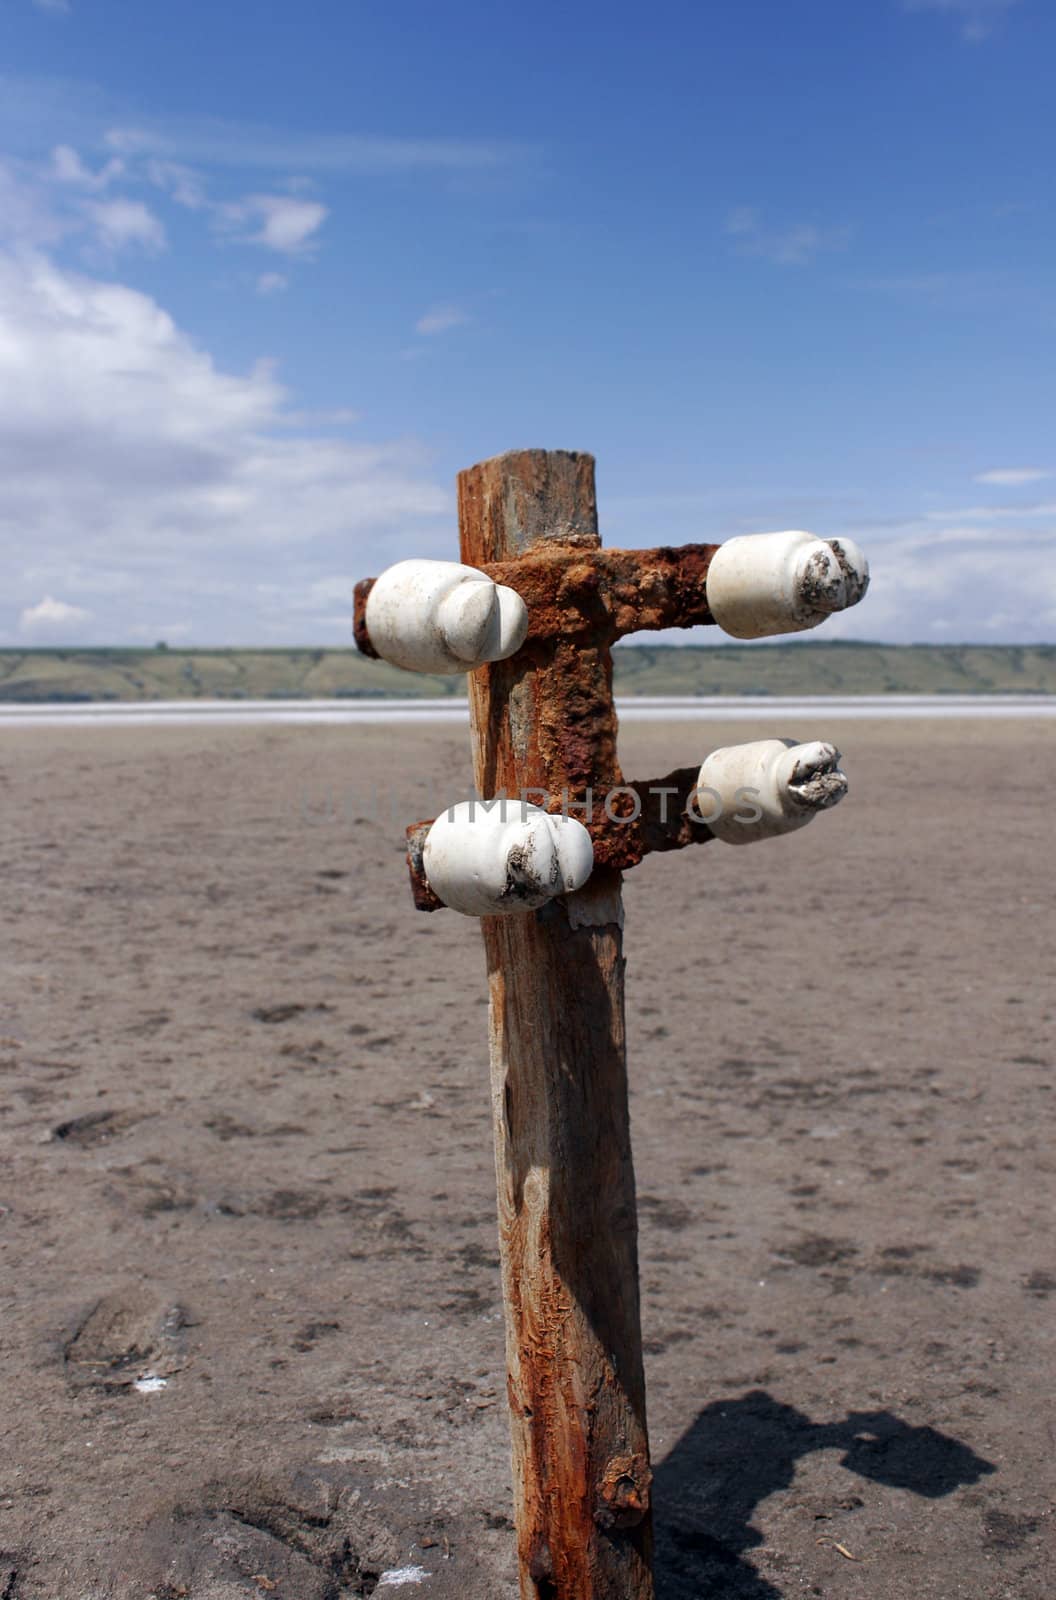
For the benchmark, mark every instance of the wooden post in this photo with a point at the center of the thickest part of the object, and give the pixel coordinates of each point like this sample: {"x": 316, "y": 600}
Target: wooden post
{"x": 567, "y": 1217}
{"x": 544, "y": 732}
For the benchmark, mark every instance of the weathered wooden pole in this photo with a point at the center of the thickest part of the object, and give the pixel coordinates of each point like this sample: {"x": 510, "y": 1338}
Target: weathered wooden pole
{"x": 567, "y": 1213}
{"x": 531, "y": 615}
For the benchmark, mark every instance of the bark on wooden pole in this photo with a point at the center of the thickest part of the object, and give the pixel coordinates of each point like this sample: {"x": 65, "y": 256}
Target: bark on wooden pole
{"x": 567, "y": 1216}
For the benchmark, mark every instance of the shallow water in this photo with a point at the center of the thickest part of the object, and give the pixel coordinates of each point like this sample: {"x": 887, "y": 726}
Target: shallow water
{"x": 639, "y": 709}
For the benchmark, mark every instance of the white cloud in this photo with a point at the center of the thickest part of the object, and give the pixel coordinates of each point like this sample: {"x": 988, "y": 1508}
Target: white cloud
{"x": 440, "y": 319}
{"x": 976, "y": 18}
{"x": 272, "y": 283}
{"x": 1012, "y": 477}
{"x": 142, "y": 480}
{"x": 120, "y": 222}
{"x": 57, "y": 7}
{"x": 793, "y": 246}
{"x": 286, "y": 224}
{"x": 51, "y": 616}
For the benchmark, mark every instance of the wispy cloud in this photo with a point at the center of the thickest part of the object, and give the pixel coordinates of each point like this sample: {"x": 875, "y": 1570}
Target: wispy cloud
{"x": 1012, "y": 477}
{"x": 282, "y": 222}
{"x": 59, "y": 8}
{"x": 440, "y": 319}
{"x": 793, "y": 246}
{"x": 67, "y": 167}
{"x": 286, "y": 224}
{"x": 1040, "y": 508}
{"x": 279, "y": 222}
{"x": 87, "y": 187}
{"x": 119, "y": 223}
{"x": 272, "y": 283}
{"x": 82, "y": 114}
{"x": 218, "y": 143}
{"x": 27, "y": 217}
{"x": 958, "y": 290}
{"x": 63, "y": 200}
{"x": 180, "y": 183}
{"x": 68, "y": 200}
{"x": 976, "y": 19}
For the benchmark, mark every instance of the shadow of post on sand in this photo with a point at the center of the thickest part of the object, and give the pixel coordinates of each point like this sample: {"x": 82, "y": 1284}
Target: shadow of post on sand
{"x": 740, "y": 1451}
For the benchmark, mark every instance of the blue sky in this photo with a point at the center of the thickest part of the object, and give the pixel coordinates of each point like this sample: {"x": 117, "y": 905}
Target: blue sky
{"x": 271, "y": 274}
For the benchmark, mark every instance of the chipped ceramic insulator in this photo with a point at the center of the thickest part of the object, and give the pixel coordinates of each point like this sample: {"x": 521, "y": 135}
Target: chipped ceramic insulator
{"x": 854, "y": 566}
{"x": 769, "y": 787}
{"x": 439, "y": 616}
{"x": 489, "y": 858}
{"x": 761, "y": 584}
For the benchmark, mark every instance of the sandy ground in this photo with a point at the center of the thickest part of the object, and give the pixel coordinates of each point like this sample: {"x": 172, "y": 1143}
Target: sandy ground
{"x": 246, "y": 1149}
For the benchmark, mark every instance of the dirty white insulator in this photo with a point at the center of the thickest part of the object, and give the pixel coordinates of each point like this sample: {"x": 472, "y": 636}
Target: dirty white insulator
{"x": 488, "y": 858}
{"x": 439, "y": 616}
{"x": 771, "y": 786}
{"x": 768, "y": 583}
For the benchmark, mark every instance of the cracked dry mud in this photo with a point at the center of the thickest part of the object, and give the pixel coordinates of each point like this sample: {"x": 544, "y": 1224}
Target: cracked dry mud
{"x": 251, "y": 1340}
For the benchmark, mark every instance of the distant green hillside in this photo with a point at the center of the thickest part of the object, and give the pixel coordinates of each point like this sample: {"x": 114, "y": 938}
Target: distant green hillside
{"x": 810, "y": 667}
{"x": 818, "y": 667}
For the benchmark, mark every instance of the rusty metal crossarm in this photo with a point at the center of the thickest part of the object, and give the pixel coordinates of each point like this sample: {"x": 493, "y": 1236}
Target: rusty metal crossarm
{"x": 609, "y": 593}
{"x": 571, "y": 592}
{"x": 626, "y": 823}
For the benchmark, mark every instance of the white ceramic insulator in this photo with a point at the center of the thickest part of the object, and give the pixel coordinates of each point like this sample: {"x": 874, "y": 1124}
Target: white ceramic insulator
{"x": 769, "y": 787}
{"x": 491, "y": 858}
{"x": 761, "y": 584}
{"x": 439, "y": 616}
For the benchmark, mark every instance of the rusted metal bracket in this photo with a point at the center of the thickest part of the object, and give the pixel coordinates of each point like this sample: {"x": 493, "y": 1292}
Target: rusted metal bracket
{"x": 608, "y": 593}
{"x": 572, "y": 591}
{"x": 359, "y": 618}
{"x": 626, "y": 823}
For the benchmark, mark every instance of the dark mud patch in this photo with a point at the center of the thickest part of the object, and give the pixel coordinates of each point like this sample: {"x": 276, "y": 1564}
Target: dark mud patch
{"x": 95, "y": 1127}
